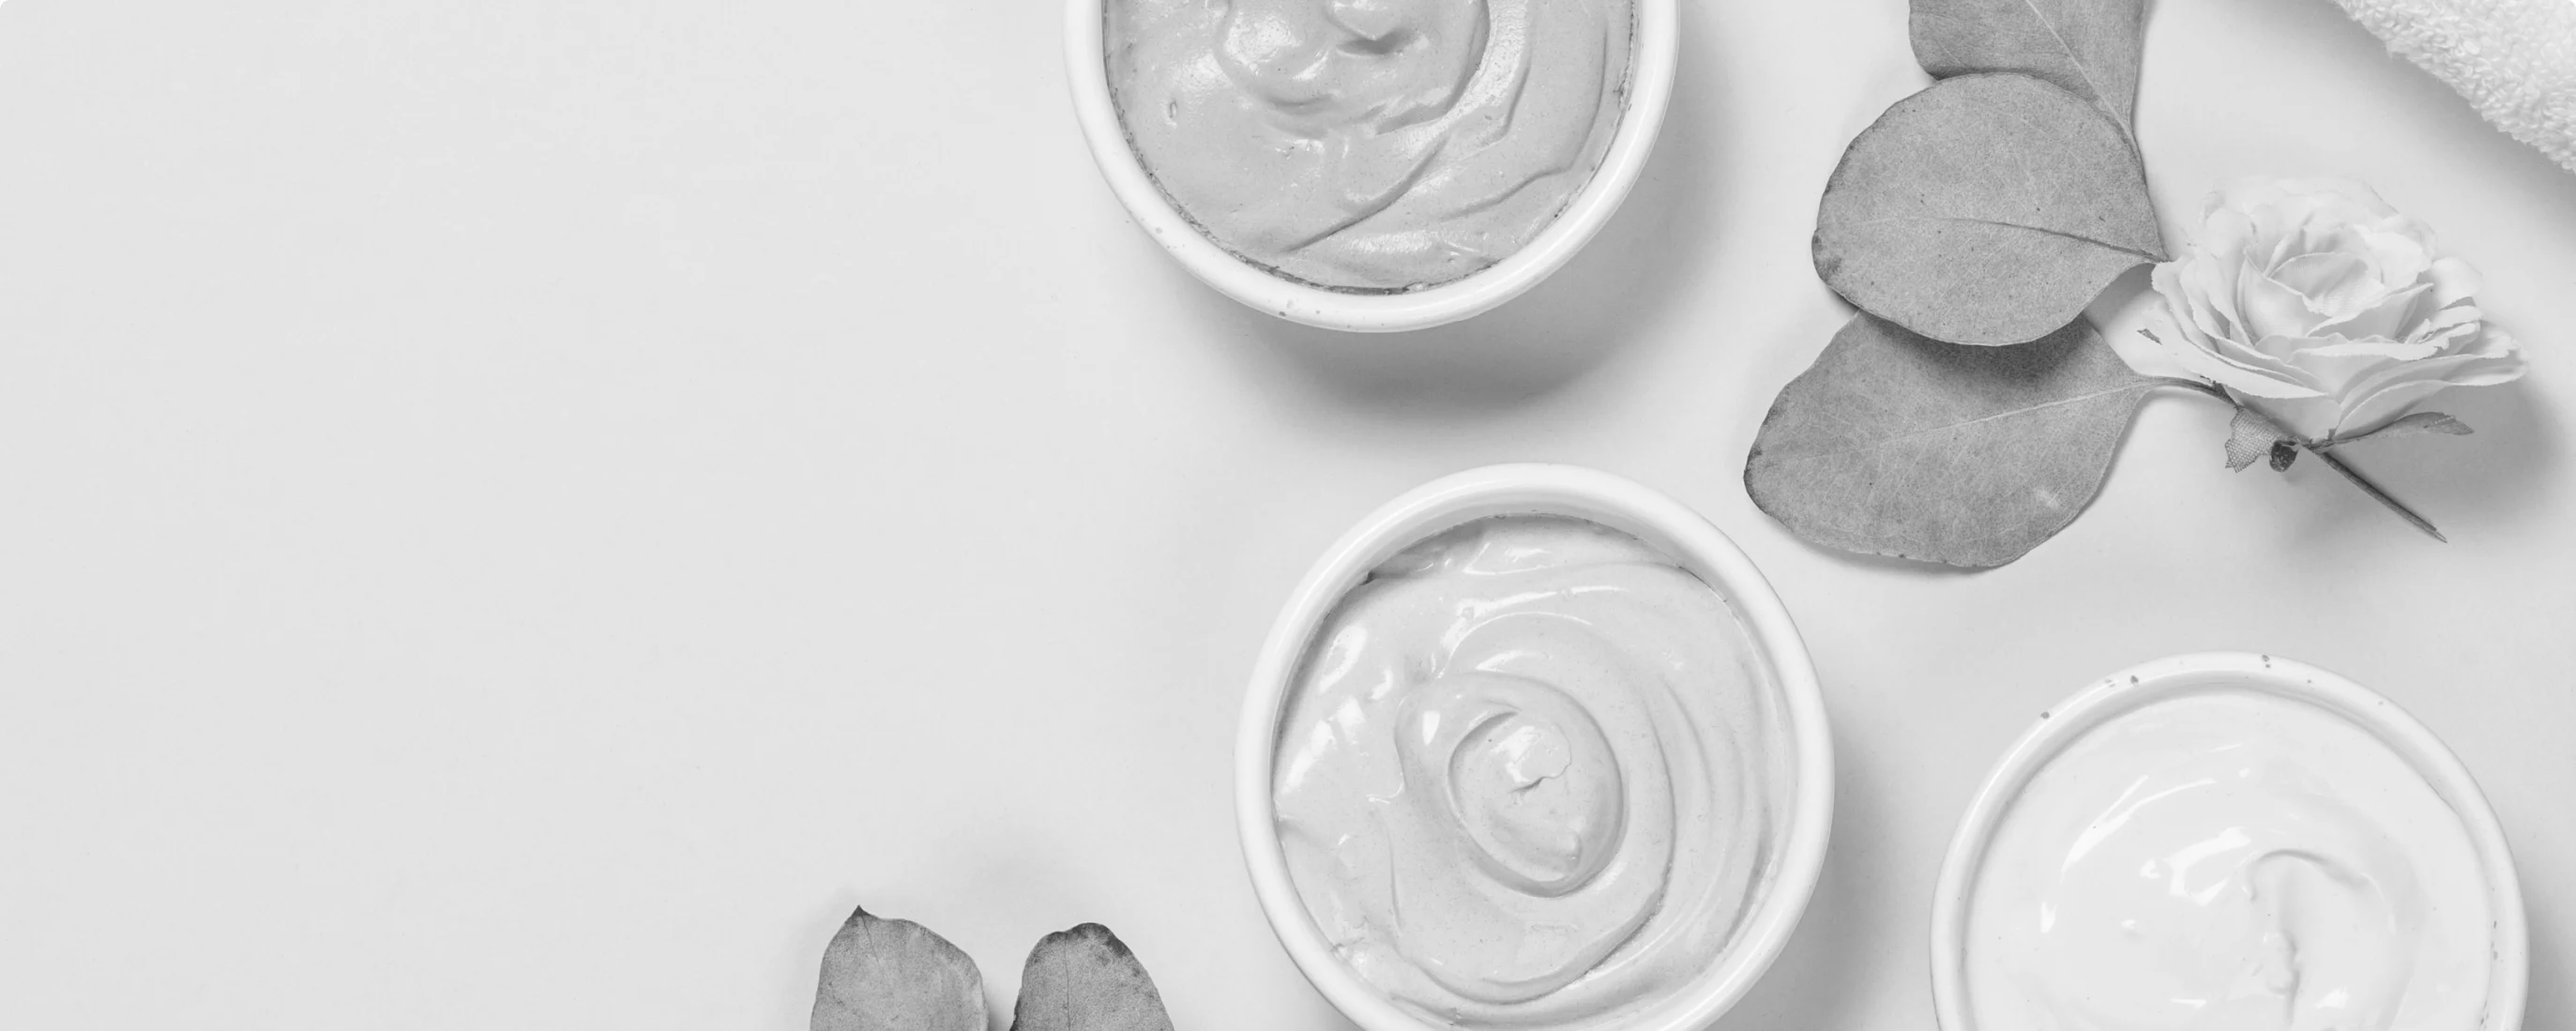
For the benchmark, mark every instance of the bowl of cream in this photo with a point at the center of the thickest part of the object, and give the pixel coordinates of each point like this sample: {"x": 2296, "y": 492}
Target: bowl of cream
{"x": 1533, "y": 746}
{"x": 1371, "y": 165}
{"x": 2229, "y": 841}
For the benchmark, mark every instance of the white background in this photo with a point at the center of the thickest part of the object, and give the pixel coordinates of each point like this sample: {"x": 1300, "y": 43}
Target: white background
{"x": 519, "y": 515}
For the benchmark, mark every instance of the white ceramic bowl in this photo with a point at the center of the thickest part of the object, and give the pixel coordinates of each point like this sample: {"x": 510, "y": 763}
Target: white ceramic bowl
{"x": 2129, "y": 689}
{"x": 1649, "y": 89}
{"x": 1641, "y": 512}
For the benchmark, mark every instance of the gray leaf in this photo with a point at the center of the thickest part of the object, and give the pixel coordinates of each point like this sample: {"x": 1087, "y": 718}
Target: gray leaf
{"x": 1987, "y": 209}
{"x": 2420, "y": 422}
{"x": 2089, "y": 47}
{"x": 2250, "y": 438}
{"x": 895, "y": 975}
{"x": 1894, "y": 444}
{"x": 1085, "y": 979}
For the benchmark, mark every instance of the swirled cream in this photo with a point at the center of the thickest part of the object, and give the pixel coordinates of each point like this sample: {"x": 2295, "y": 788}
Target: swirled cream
{"x": 1369, "y": 144}
{"x": 2229, "y": 860}
{"x": 1532, "y": 774}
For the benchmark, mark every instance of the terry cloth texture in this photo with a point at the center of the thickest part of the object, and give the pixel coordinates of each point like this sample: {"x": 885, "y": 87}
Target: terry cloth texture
{"x": 2514, "y": 59}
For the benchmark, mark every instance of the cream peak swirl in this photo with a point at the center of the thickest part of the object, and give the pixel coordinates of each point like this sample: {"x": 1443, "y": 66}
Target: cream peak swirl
{"x": 1531, "y": 775}
{"x": 1370, "y": 144}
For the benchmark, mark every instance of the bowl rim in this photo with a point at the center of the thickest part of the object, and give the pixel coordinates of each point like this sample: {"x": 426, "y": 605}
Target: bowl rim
{"x": 1621, "y": 504}
{"x": 1648, "y": 94}
{"x": 2176, "y": 676}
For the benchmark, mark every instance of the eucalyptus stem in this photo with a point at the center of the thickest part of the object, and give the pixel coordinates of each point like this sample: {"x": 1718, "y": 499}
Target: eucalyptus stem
{"x": 2319, "y": 449}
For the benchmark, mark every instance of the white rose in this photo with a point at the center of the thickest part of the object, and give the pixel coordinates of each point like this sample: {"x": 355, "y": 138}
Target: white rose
{"x": 2316, "y": 304}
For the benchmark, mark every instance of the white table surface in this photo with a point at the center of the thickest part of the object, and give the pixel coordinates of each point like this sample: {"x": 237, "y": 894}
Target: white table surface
{"x": 518, "y": 515}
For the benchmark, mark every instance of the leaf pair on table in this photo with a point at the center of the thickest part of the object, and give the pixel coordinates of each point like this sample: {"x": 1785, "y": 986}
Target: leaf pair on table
{"x": 896, "y": 975}
{"x": 1989, "y": 209}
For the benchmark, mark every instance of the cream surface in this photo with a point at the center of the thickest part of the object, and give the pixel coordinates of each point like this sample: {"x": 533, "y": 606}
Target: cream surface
{"x": 1532, "y": 773}
{"x": 1370, "y": 144}
{"x": 2229, "y": 860}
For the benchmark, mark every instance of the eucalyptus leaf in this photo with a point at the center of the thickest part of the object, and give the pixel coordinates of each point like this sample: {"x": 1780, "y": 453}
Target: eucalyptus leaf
{"x": 1085, "y": 979}
{"x": 1896, "y": 444}
{"x": 896, "y": 975}
{"x": 2089, "y": 47}
{"x": 1986, "y": 209}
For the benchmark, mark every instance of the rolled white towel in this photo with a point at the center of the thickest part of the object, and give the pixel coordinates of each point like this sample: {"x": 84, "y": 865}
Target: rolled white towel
{"x": 2514, "y": 59}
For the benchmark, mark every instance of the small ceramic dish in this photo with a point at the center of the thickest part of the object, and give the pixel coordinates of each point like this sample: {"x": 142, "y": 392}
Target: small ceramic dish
{"x": 1619, "y": 504}
{"x": 1648, "y": 90}
{"x": 2190, "y": 675}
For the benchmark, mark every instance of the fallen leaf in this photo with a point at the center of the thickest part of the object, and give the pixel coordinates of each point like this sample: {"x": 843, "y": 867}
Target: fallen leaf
{"x": 1085, "y": 979}
{"x": 1896, "y": 444}
{"x": 2088, "y": 47}
{"x": 1987, "y": 209}
{"x": 895, "y": 975}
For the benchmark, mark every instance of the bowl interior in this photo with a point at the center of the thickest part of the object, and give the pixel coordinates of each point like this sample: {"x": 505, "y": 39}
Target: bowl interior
{"x": 2188, "y": 675}
{"x": 1621, "y": 505}
{"x": 1647, "y": 94}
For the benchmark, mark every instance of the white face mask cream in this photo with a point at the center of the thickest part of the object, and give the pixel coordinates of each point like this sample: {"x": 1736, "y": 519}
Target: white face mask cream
{"x": 2229, "y": 860}
{"x": 1531, "y": 773}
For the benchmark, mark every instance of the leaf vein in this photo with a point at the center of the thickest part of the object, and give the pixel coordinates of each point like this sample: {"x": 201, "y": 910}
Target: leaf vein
{"x": 2043, "y": 230}
{"x": 1882, "y": 442}
{"x": 2072, "y": 57}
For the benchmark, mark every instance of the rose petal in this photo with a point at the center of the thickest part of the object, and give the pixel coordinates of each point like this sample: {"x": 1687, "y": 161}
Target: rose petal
{"x": 2226, "y": 235}
{"x": 2483, "y": 340}
{"x": 2319, "y": 272}
{"x": 2281, "y": 234}
{"x": 2206, "y": 318}
{"x": 2334, "y": 363}
{"x": 2496, "y": 343}
{"x": 2312, "y": 418}
{"x": 2390, "y": 393}
{"x": 2384, "y": 407}
{"x": 2254, "y": 360}
{"x": 2272, "y": 309}
{"x": 2452, "y": 333}
{"x": 2438, "y": 369}
{"x": 2365, "y": 411}
{"x": 2349, "y": 239}
{"x": 2330, "y": 348}
{"x": 2397, "y": 256}
{"x": 2236, "y": 377}
{"x": 2183, "y": 284}
{"x": 2213, "y": 285}
{"x": 2453, "y": 280}
{"x": 2268, "y": 354}
{"x": 2388, "y": 319}
{"x": 2301, "y": 234}
{"x": 2324, "y": 229}
{"x": 2152, "y": 355}
{"x": 2336, "y": 286}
